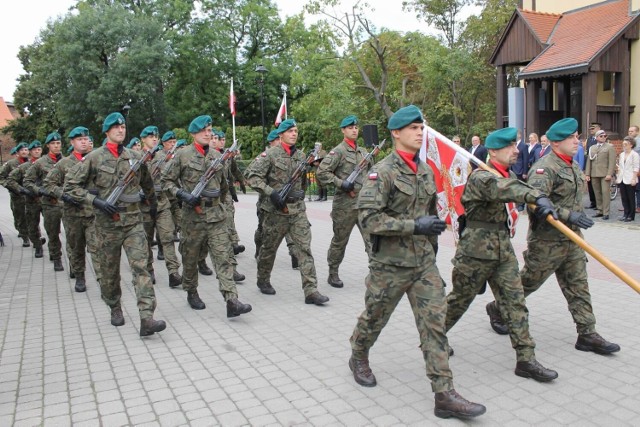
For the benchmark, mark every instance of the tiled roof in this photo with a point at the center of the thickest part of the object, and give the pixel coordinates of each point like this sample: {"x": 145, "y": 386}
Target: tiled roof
{"x": 580, "y": 35}
{"x": 5, "y": 113}
{"x": 541, "y": 23}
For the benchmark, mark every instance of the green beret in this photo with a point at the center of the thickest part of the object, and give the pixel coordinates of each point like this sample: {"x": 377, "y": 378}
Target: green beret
{"x": 348, "y": 121}
{"x": 221, "y": 134}
{"x": 562, "y": 129}
{"x": 181, "y": 143}
{"x": 168, "y": 135}
{"x": 21, "y": 146}
{"x": 273, "y": 135}
{"x": 77, "y": 132}
{"x": 286, "y": 125}
{"x": 405, "y": 116}
{"x": 150, "y": 130}
{"x": 199, "y": 123}
{"x": 133, "y": 142}
{"x": 112, "y": 120}
{"x": 70, "y": 149}
{"x": 14, "y": 150}
{"x": 501, "y": 138}
{"x": 90, "y": 138}
{"x": 53, "y": 136}
{"x": 35, "y": 144}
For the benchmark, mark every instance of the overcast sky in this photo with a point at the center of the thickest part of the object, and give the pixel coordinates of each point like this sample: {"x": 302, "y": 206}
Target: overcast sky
{"x": 21, "y": 23}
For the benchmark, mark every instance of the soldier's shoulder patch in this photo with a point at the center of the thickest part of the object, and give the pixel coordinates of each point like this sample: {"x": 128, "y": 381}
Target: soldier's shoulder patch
{"x": 373, "y": 176}
{"x": 332, "y": 153}
{"x": 540, "y": 171}
{"x": 263, "y": 154}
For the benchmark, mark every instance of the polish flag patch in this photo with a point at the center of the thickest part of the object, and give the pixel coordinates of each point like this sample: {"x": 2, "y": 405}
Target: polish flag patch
{"x": 373, "y": 176}
{"x": 264, "y": 154}
{"x": 332, "y": 153}
{"x": 539, "y": 171}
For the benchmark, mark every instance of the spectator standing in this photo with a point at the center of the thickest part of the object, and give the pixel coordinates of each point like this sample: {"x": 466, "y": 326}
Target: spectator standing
{"x": 627, "y": 177}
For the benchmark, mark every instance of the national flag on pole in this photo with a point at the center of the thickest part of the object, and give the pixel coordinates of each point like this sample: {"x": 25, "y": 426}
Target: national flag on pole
{"x": 282, "y": 112}
{"x": 232, "y": 100}
{"x": 451, "y": 170}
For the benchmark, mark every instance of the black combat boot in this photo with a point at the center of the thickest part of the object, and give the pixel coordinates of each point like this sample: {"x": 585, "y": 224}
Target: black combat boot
{"x": 266, "y": 288}
{"x": 43, "y": 240}
{"x": 238, "y": 249}
{"x": 319, "y": 198}
{"x": 495, "y": 319}
{"x": 72, "y": 275}
{"x": 334, "y": 280}
{"x": 204, "y": 269}
{"x": 316, "y": 298}
{"x": 451, "y": 404}
{"x": 160, "y": 255}
{"x": 325, "y": 192}
{"x": 535, "y": 370}
{"x": 175, "y": 280}
{"x": 57, "y": 265}
{"x": 39, "y": 253}
{"x": 153, "y": 276}
{"x": 594, "y": 342}
{"x": 25, "y": 242}
{"x": 362, "y": 372}
{"x": 238, "y": 277}
{"x": 294, "y": 262}
{"x": 235, "y": 308}
{"x": 194, "y": 300}
{"x": 150, "y": 326}
{"x": 81, "y": 285}
{"x": 117, "y": 319}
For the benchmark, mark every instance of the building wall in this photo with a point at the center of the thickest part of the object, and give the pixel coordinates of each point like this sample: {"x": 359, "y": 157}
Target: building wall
{"x": 604, "y": 97}
{"x": 555, "y": 6}
{"x": 634, "y": 95}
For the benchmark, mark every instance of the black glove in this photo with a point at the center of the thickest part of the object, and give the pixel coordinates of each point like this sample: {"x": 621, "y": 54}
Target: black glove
{"x": 243, "y": 187}
{"x": 187, "y": 198}
{"x": 68, "y": 199}
{"x": 26, "y": 192}
{"x": 544, "y": 208}
{"x": 347, "y": 186}
{"x": 277, "y": 200}
{"x": 429, "y": 225}
{"x": 234, "y": 197}
{"x": 105, "y": 207}
{"x": 580, "y": 219}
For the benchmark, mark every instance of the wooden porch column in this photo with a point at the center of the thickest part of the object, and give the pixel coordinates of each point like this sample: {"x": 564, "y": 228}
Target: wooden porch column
{"x": 532, "y": 113}
{"x": 622, "y": 92}
{"x": 501, "y": 95}
{"x": 589, "y": 98}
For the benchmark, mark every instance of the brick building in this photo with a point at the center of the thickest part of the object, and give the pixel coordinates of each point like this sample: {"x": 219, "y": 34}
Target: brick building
{"x": 7, "y": 113}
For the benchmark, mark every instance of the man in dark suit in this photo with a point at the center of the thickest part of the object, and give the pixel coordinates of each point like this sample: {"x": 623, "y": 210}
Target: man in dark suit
{"x": 595, "y": 127}
{"x": 521, "y": 166}
{"x": 478, "y": 150}
{"x": 544, "y": 146}
{"x": 534, "y": 149}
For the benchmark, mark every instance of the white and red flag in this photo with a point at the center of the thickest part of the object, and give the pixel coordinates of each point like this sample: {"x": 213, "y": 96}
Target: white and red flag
{"x": 282, "y": 112}
{"x": 232, "y": 100}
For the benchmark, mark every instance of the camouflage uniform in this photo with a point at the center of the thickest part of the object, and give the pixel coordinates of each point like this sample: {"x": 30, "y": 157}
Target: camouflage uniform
{"x": 17, "y": 200}
{"x": 485, "y": 253}
{"x": 402, "y": 263}
{"x": 51, "y": 207}
{"x": 32, "y": 204}
{"x": 334, "y": 169}
{"x": 97, "y": 176}
{"x": 79, "y": 222}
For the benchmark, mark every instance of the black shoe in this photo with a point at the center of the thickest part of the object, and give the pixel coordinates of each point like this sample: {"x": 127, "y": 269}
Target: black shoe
{"x": 594, "y": 342}
{"x": 536, "y": 371}
{"x": 117, "y": 319}
{"x": 50, "y": 258}
{"x": 39, "y": 253}
{"x": 294, "y": 262}
{"x": 153, "y": 277}
{"x": 81, "y": 285}
{"x": 43, "y": 240}
{"x": 451, "y": 404}
{"x": 72, "y": 275}
{"x": 362, "y": 372}
{"x": 176, "y": 239}
{"x": 237, "y": 277}
{"x": 235, "y": 308}
{"x": 238, "y": 249}
{"x": 150, "y": 326}
{"x": 175, "y": 280}
{"x": 629, "y": 220}
{"x": 598, "y": 215}
{"x": 316, "y": 298}
{"x": 160, "y": 256}
{"x": 334, "y": 280}
{"x": 25, "y": 242}
{"x": 592, "y": 206}
{"x": 451, "y": 353}
{"x": 194, "y": 301}
{"x": 622, "y": 218}
{"x": 57, "y": 265}
{"x": 204, "y": 269}
{"x": 266, "y": 288}
{"x": 495, "y": 319}
{"x": 605, "y": 217}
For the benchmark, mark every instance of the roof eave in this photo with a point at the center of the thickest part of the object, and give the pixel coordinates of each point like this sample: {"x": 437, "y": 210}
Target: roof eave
{"x": 554, "y": 72}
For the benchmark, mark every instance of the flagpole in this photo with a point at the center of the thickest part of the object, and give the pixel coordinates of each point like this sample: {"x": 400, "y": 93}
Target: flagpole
{"x": 233, "y": 111}
{"x": 572, "y": 235}
{"x": 285, "y": 105}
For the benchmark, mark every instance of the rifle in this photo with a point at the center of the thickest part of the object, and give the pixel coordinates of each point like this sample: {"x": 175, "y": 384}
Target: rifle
{"x": 297, "y": 174}
{"x": 157, "y": 168}
{"x": 124, "y": 182}
{"x": 351, "y": 179}
{"x": 215, "y": 166}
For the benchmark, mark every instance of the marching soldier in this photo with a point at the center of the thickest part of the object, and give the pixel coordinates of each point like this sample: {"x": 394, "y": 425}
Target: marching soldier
{"x": 51, "y": 207}
{"x": 148, "y": 141}
{"x": 268, "y": 177}
{"x": 396, "y": 207}
{"x": 118, "y": 225}
{"x": 169, "y": 141}
{"x": 18, "y": 206}
{"x": 203, "y": 218}
{"x": 548, "y": 250}
{"x": 78, "y": 219}
{"x": 335, "y": 169}
{"x": 485, "y": 252}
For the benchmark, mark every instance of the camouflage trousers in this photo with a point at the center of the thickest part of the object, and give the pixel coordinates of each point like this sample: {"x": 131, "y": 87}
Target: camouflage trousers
{"x": 215, "y": 236}
{"x": 111, "y": 241}
{"x": 80, "y": 232}
{"x": 231, "y": 222}
{"x": 569, "y": 263}
{"x": 386, "y": 285}
{"x": 470, "y": 274}
{"x": 52, "y": 219}
{"x": 176, "y": 213}
{"x": 257, "y": 235}
{"x": 343, "y": 222}
{"x": 163, "y": 223}
{"x": 275, "y": 228}
{"x": 33, "y": 210}
{"x": 18, "y": 208}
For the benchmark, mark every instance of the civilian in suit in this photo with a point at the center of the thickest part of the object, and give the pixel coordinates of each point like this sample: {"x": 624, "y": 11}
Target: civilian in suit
{"x": 601, "y": 163}
{"x": 627, "y": 177}
{"x": 521, "y": 166}
{"x": 595, "y": 127}
{"x": 544, "y": 147}
{"x": 478, "y": 150}
{"x": 634, "y": 132}
{"x": 534, "y": 149}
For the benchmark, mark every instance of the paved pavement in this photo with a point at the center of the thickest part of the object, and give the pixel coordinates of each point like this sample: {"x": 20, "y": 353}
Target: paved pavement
{"x": 285, "y": 363}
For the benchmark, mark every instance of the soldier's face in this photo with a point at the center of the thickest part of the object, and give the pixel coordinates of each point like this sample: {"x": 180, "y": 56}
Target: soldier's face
{"x": 409, "y": 138}
{"x": 150, "y": 141}
{"x": 36, "y": 152}
{"x": 168, "y": 145}
{"x": 23, "y": 152}
{"x": 505, "y": 156}
{"x": 80, "y": 144}
{"x": 568, "y": 146}
{"x": 290, "y": 136}
{"x": 350, "y": 132}
{"x": 633, "y": 131}
{"x": 55, "y": 147}
{"x": 203, "y": 137}
{"x": 116, "y": 133}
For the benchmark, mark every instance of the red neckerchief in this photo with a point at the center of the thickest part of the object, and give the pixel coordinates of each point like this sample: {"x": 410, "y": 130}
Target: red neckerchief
{"x": 113, "y": 148}
{"x": 567, "y": 159}
{"x": 54, "y": 157}
{"x": 501, "y": 169}
{"x": 33, "y": 159}
{"x": 220, "y": 150}
{"x": 79, "y": 156}
{"x": 409, "y": 159}
{"x": 200, "y": 148}
{"x": 350, "y": 143}
{"x": 286, "y": 147}
{"x": 23, "y": 160}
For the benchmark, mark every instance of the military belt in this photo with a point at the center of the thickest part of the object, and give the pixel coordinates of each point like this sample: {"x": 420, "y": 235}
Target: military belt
{"x": 129, "y": 207}
{"x": 207, "y": 203}
{"x": 487, "y": 225}
{"x": 212, "y": 194}
{"x": 129, "y": 198}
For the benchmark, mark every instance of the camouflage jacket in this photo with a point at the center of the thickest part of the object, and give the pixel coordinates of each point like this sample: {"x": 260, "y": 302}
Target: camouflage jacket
{"x": 98, "y": 175}
{"x": 390, "y": 200}
{"x": 54, "y": 184}
{"x": 184, "y": 172}
{"x": 34, "y": 179}
{"x": 337, "y": 167}
{"x": 564, "y": 186}
{"x": 162, "y": 195}
{"x": 487, "y": 234}
{"x": 271, "y": 172}
{"x": 6, "y": 170}
{"x": 15, "y": 180}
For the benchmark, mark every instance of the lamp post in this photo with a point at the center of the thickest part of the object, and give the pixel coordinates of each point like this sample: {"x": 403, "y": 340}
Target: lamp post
{"x": 125, "y": 110}
{"x": 261, "y": 70}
